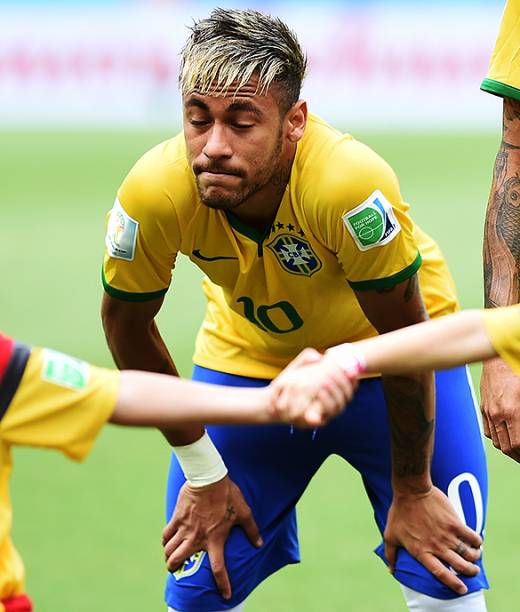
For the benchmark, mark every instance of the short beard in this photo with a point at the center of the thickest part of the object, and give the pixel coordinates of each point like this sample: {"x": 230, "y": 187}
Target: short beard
{"x": 240, "y": 196}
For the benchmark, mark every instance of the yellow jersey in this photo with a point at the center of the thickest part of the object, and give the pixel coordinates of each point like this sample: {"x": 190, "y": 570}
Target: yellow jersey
{"x": 503, "y": 77}
{"x": 48, "y": 400}
{"x": 503, "y": 328}
{"x": 341, "y": 226}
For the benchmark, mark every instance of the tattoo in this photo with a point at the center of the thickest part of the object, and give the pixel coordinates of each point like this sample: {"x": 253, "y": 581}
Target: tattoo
{"x": 230, "y": 513}
{"x": 502, "y": 230}
{"x": 385, "y": 289}
{"x": 410, "y": 428}
{"x": 411, "y": 288}
{"x": 412, "y": 291}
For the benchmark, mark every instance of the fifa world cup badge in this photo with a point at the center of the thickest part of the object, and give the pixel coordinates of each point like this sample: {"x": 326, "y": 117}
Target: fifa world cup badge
{"x": 373, "y": 223}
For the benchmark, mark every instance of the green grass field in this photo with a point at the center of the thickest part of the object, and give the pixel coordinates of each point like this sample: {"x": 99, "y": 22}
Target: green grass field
{"x": 90, "y": 534}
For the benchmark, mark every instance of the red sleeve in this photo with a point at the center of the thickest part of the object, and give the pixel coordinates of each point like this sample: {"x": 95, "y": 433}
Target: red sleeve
{"x": 6, "y": 351}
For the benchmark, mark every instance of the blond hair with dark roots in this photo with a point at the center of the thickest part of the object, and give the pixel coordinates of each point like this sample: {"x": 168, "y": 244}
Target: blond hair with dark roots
{"x": 231, "y": 46}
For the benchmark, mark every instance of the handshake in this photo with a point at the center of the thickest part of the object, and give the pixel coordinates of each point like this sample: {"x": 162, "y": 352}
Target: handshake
{"x": 315, "y": 388}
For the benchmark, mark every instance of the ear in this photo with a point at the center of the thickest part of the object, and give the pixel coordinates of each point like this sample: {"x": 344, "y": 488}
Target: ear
{"x": 296, "y": 120}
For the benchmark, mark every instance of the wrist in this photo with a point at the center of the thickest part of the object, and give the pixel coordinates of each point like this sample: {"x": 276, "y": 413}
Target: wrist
{"x": 411, "y": 487}
{"x": 201, "y": 462}
{"x": 350, "y": 359}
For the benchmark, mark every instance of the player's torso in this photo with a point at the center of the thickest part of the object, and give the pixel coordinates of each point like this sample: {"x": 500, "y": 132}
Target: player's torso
{"x": 272, "y": 293}
{"x": 284, "y": 289}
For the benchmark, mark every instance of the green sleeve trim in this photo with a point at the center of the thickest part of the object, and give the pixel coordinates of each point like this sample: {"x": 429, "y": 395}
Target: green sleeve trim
{"x": 389, "y": 281}
{"x": 128, "y": 296}
{"x": 500, "y": 89}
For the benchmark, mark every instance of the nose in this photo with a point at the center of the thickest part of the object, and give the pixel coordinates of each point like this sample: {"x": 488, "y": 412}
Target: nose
{"x": 217, "y": 145}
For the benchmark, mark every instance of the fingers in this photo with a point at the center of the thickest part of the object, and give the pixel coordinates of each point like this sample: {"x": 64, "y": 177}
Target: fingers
{"x": 470, "y": 537}
{"x": 172, "y": 544}
{"x": 249, "y": 525}
{"x": 469, "y": 553}
{"x": 391, "y": 555}
{"x": 218, "y": 568}
{"x": 314, "y": 397}
{"x": 169, "y": 531}
{"x": 442, "y": 573}
{"x": 180, "y": 554}
{"x": 486, "y": 425}
{"x": 307, "y": 356}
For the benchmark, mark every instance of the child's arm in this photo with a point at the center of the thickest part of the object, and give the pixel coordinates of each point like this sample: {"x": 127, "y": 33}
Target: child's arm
{"x": 437, "y": 344}
{"x": 158, "y": 400}
{"x": 147, "y": 399}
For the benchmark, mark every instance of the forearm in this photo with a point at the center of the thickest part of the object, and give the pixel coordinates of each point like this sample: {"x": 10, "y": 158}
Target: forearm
{"x": 410, "y": 399}
{"x": 135, "y": 343}
{"x": 438, "y": 344}
{"x": 411, "y": 412}
{"x": 140, "y": 347}
{"x": 502, "y": 229}
{"x": 172, "y": 401}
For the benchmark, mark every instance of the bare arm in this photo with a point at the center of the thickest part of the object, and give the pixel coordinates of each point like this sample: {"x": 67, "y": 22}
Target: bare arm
{"x": 135, "y": 343}
{"x": 421, "y": 518}
{"x": 439, "y": 344}
{"x": 155, "y": 400}
{"x": 502, "y": 230}
{"x": 500, "y": 388}
{"x": 170, "y": 400}
{"x": 410, "y": 399}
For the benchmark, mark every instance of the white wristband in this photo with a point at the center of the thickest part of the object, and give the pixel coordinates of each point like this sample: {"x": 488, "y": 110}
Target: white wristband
{"x": 201, "y": 462}
{"x": 348, "y": 358}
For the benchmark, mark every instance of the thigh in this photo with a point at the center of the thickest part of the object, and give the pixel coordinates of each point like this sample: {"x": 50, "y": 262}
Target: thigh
{"x": 272, "y": 465}
{"x": 458, "y": 464}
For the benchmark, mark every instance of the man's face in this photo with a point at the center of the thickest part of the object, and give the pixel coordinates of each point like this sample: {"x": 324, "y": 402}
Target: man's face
{"x": 234, "y": 144}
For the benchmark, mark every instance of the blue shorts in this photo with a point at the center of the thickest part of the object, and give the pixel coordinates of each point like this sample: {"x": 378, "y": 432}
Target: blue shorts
{"x": 273, "y": 465}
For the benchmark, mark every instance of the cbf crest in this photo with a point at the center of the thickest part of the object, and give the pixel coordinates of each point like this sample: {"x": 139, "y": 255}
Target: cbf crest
{"x": 295, "y": 255}
{"x": 190, "y": 566}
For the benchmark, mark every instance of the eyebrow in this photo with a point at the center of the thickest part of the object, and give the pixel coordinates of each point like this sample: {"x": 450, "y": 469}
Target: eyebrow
{"x": 234, "y": 107}
{"x": 244, "y": 106}
{"x": 197, "y": 103}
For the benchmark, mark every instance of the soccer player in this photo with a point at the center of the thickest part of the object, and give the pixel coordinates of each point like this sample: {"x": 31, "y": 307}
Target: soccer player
{"x": 305, "y": 240}
{"x": 500, "y": 387}
{"x": 51, "y": 400}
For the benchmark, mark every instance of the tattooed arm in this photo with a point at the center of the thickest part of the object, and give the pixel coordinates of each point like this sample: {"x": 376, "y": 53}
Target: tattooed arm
{"x": 500, "y": 388}
{"x": 421, "y": 519}
{"x": 410, "y": 399}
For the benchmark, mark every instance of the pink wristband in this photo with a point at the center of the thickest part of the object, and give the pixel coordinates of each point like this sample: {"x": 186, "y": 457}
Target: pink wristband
{"x": 350, "y": 360}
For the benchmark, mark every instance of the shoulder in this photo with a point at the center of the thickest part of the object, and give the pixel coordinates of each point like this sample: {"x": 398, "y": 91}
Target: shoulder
{"x": 159, "y": 181}
{"x": 335, "y": 172}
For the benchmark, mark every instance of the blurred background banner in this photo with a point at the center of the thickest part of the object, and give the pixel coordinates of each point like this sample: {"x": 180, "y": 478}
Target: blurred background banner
{"x": 372, "y": 65}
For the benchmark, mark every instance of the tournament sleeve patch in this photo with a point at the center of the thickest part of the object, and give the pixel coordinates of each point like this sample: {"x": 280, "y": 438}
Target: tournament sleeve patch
{"x": 60, "y": 369}
{"x": 121, "y": 233}
{"x": 373, "y": 223}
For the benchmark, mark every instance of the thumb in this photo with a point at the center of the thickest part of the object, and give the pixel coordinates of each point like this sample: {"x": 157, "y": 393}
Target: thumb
{"x": 391, "y": 554}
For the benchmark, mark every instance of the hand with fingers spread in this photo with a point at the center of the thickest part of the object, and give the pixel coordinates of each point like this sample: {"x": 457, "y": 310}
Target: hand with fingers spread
{"x": 427, "y": 525}
{"x": 312, "y": 390}
{"x": 500, "y": 407}
{"x": 202, "y": 520}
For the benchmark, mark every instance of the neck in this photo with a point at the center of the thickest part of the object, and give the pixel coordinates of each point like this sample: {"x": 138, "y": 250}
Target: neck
{"x": 260, "y": 209}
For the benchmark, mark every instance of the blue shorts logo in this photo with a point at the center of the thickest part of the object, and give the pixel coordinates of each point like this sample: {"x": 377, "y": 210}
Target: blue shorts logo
{"x": 295, "y": 255}
{"x": 190, "y": 566}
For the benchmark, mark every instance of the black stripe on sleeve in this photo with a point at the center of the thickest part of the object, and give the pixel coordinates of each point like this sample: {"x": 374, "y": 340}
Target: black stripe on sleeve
{"x": 12, "y": 376}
